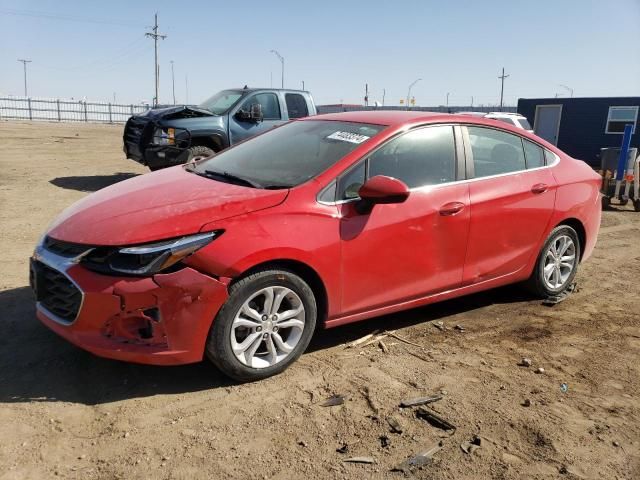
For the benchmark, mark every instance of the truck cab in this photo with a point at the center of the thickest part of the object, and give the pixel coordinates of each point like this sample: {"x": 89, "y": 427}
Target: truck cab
{"x": 164, "y": 137}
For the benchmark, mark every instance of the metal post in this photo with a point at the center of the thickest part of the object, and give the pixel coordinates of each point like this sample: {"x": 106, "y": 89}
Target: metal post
{"x": 29, "y": 104}
{"x": 58, "y": 109}
{"x": 132, "y": 109}
{"x": 110, "y": 119}
{"x": 622, "y": 159}
{"x": 86, "y": 118}
{"x": 173, "y": 83}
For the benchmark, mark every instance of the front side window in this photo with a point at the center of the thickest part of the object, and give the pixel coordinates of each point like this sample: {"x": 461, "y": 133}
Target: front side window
{"x": 269, "y": 103}
{"x": 349, "y": 184}
{"x": 296, "y": 105}
{"x": 495, "y": 152}
{"x": 426, "y": 156}
{"x": 288, "y": 155}
{"x": 619, "y": 117}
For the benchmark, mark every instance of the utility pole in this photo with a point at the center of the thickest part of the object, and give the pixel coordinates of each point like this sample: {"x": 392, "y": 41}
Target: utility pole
{"x": 471, "y": 101}
{"x": 502, "y": 77}
{"x": 173, "y": 83}
{"x": 384, "y": 92}
{"x": 366, "y": 94}
{"x": 155, "y": 35}
{"x": 302, "y": 84}
{"x": 447, "y": 99}
{"x": 281, "y": 58}
{"x": 24, "y": 64}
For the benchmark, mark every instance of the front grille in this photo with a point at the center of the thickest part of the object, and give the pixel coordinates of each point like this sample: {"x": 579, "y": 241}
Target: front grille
{"x": 137, "y": 134}
{"x": 65, "y": 249}
{"x": 55, "y": 291}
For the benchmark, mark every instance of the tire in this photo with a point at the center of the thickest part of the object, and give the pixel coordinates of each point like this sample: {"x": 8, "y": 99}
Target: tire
{"x": 606, "y": 203}
{"x": 199, "y": 151}
{"x": 543, "y": 286}
{"x": 636, "y": 205}
{"x": 233, "y": 325}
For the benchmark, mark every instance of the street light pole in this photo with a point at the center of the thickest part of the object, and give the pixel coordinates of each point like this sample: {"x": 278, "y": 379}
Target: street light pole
{"x": 173, "y": 83}
{"x": 502, "y": 77}
{"x": 409, "y": 92}
{"x": 281, "y": 58}
{"x": 447, "y": 99}
{"x": 24, "y": 64}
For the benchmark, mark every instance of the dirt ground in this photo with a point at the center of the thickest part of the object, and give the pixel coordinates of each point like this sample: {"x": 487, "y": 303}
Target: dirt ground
{"x": 66, "y": 413}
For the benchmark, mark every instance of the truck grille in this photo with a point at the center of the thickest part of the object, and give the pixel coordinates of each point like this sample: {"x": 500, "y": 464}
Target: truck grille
{"x": 137, "y": 133}
{"x": 55, "y": 291}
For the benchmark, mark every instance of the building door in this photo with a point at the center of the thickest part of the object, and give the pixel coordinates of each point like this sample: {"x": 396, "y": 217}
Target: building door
{"x": 547, "y": 122}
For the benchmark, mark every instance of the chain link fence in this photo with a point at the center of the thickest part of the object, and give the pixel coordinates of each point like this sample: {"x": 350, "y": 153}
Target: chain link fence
{"x": 56, "y": 110}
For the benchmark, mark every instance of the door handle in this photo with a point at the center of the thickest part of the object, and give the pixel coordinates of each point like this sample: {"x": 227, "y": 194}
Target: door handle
{"x": 539, "y": 188}
{"x": 451, "y": 208}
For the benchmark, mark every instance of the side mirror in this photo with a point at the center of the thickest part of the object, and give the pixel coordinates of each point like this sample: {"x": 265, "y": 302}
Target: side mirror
{"x": 256, "y": 112}
{"x": 383, "y": 190}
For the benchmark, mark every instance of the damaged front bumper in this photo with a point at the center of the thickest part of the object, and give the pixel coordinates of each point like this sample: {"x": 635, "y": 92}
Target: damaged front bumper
{"x": 160, "y": 320}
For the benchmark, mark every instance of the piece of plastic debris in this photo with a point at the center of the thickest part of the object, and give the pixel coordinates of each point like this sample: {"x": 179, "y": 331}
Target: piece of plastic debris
{"x": 434, "y": 419}
{"x": 396, "y": 426}
{"x": 343, "y": 449}
{"x": 420, "y": 401}
{"x": 418, "y": 460}
{"x": 360, "y": 460}
{"x": 333, "y": 401}
{"x": 564, "y": 388}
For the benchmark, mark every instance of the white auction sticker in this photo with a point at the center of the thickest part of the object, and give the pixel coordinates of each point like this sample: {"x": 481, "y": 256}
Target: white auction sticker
{"x": 348, "y": 137}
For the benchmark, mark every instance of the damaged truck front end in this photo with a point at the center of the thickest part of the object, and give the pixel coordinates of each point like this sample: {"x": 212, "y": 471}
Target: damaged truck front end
{"x": 164, "y": 137}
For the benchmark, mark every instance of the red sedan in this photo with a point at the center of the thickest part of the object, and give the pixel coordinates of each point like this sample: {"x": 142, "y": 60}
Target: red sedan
{"x": 321, "y": 222}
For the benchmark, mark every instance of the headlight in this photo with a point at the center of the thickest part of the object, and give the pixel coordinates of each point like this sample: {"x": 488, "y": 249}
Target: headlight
{"x": 147, "y": 259}
{"x": 164, "y": 137}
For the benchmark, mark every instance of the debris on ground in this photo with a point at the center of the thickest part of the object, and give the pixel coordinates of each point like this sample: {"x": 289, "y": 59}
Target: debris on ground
{"x": 366, "y": 393}
{"x": 396, "y": 426}
{"x": 383, "y": 346}
{"x": 414, "y": 402}
{"x": 418, "y": 460}
{"x": 360, "y": 460}
{"x": 384, "y": 441}
{"x": 344, "y": 448}
{"x": 334, "y": 401}
{"x": 539, "y": 370}
{"x": 440, "y": 326}
{"x": 472, "y": 445}
{"x": 434, "y": 419}
{"x": 402, "y": 339}
{"x": 564, "y": 388}
{"x": 525, "y": 362}
{"x": 526, "y": 402}
{"x": 552, "y": 300}
{"x": 302, "y": 443}
{"x": 460, "y": 328}
{"x": 362, "y": 340}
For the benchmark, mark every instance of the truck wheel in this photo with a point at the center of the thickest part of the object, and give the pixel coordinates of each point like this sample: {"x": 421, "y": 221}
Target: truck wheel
{"x": 264, "y": 326}
{"x": 557, "y": 263}
{"x": 199, "y": 151}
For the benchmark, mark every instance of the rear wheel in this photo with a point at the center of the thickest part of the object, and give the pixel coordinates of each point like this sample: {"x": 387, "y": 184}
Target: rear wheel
{"x": 557, "y": 263}
{"x": 265, "y": 325}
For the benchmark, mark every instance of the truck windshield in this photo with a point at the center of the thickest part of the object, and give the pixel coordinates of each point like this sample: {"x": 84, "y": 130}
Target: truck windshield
{"x": 289, "y": 155}
{"x": 221, "y": 101}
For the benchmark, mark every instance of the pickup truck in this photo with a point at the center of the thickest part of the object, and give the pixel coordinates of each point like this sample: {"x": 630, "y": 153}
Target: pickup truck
{"x": 164, "y": 137}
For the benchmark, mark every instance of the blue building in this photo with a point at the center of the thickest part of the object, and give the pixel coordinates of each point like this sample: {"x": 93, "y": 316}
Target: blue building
{"x": 582, "y": 126}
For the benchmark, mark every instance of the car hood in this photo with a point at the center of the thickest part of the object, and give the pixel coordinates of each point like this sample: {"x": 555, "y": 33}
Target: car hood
{"x": 164, "y": 204}
{"x": 176, "y": 112}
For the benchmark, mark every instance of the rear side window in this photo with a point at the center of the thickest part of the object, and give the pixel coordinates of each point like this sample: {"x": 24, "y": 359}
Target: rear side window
{"x": 495, "y": 152}
{"x": 534, "y": 154}
{"x": 425, "y": 156}
{"x": 296, "y": 105}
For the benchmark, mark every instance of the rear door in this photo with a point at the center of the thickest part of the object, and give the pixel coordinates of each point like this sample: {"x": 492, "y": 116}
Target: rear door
{"x": 407, "y": 250}
{"x": 512, "y": 196}
{"x": 240, "y": 129}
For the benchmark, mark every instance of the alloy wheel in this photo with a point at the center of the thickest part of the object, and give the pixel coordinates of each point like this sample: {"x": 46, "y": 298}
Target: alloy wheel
{"x": 560, "y": 261}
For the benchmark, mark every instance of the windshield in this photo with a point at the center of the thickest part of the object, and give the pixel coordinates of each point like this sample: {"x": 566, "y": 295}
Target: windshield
{"x": 221, "y": 101}
{"x": 288, "y": 155}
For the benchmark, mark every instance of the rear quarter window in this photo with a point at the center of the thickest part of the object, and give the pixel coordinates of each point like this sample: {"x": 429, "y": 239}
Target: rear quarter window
{"x": 534, "y": 154}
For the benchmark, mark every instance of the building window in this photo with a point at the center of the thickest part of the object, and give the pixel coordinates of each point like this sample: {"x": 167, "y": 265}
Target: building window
{"x": 619, "y": 117}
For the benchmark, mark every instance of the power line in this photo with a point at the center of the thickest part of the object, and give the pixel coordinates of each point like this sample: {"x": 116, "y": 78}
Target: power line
{"x": 54, "y": 16}
{"x": 155, "y": 35}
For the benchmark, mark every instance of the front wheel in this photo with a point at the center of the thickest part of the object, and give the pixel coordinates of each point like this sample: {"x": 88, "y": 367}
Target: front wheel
{"x": 557, "y": 263}
{"x": 265, "y": 325}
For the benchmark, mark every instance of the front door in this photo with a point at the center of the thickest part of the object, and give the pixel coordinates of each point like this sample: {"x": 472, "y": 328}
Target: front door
{"x": 241, "y": 129}
{"x": 403, "y": 251}
{"x": 547, "y": 122}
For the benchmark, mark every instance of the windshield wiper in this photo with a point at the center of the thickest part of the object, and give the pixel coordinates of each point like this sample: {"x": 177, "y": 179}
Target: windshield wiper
{"x": 233, "y": 178}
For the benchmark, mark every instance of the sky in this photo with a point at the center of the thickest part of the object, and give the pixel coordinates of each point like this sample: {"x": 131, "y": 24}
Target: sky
{"x": 98, "y": 51}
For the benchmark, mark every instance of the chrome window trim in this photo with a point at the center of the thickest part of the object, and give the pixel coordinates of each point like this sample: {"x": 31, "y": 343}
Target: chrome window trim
{"x": 60, "y": 264}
